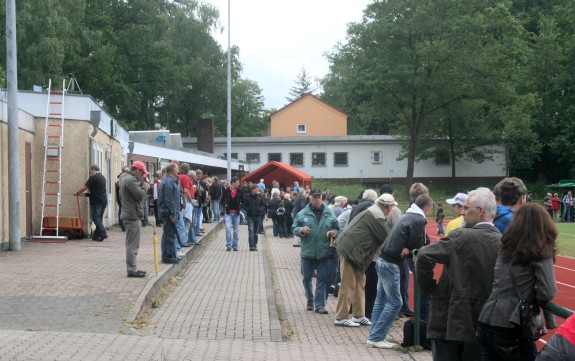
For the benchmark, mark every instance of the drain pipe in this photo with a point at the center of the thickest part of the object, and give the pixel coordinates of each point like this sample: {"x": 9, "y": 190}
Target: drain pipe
{"x": 13, "y": 141}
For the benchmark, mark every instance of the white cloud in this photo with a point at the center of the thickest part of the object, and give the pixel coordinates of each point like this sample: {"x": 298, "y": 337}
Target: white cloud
{"x": 276, "y": 38}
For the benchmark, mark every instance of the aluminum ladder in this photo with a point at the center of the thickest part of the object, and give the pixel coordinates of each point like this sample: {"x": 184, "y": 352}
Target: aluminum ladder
{"x": 52, "y": 174}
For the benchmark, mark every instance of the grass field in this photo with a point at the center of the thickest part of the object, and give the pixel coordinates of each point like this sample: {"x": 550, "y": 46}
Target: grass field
{"x": 566, "y": 239}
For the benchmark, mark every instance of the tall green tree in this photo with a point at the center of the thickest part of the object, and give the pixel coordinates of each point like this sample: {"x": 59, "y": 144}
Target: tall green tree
{"x": 409, "y": 62}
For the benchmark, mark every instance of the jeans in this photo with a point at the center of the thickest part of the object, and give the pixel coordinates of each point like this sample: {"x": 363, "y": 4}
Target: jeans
{"x": 282, "y": 230}
{"x": 192, "y": 229}
{"x": 440, "y": 229}
{"x": 253, "y": 226}
{"x": 198, "y": 219}
{"x": 388, "y": 301}
{"x": 503, "y": 344}
{"x": 97, "y": 215}
{"x": 232, "y": 220}
{"x": 442, "y": 350}
{"x": 261, "y": 227}
{"x": 275, "y": 227}
{"x": 307, "y": 267}
{"x": 182, "y": 234}
{"x": 169, "y": 239}
{"x": 216, "y": 211}
{"x": 334, "y": 276}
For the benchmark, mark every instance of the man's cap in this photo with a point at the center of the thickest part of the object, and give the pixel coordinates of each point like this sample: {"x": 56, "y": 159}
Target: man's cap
{"x": 459, "y": 198}
{"x": 386, "y": 188}
{"x": 140, "y": 166}
{"x": 386, "y": 198}
{"x": 315, "y": 192}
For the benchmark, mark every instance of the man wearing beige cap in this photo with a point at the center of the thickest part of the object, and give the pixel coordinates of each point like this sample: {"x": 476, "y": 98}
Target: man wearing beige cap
{"x": 356, "y": 246}
{"x": 133, "y": 192}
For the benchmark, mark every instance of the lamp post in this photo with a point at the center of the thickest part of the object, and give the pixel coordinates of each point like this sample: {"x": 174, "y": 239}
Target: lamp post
{"x": 229, "y": 113}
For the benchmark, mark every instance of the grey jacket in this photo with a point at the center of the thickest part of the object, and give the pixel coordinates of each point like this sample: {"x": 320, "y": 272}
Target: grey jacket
{"x": 361, "y": 239}
{"x": 468, "y": 256}
{"x": 133, "y": 196}
{"x": 536, "y": 282}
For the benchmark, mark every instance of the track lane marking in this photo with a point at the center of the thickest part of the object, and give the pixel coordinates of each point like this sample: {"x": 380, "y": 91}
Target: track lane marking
{"x": 565, "y": 284}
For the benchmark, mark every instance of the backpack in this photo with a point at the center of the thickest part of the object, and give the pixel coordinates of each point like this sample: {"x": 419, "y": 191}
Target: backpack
{"x": 408, "y": 332}
{"x": 281, "y": 212}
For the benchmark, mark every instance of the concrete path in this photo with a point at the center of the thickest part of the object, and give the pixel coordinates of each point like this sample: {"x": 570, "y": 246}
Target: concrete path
{"x": 73, "y": 301}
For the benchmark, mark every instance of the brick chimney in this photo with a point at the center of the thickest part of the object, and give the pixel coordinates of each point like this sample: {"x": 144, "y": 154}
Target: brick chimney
{"x": 206, "y": 135}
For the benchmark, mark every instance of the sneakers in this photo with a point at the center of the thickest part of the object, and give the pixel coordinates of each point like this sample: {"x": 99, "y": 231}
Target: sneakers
{"x": 346, "y": 322}
{"x": 381, "y": 344}
{"x": 321, "y": 310}
{"x": 364, "y": 321}
{"x": 235, "y": 248}
{"x": 180, "y": 254}
{"x": 228, "y": 249}
{"x": 309, "y": 307}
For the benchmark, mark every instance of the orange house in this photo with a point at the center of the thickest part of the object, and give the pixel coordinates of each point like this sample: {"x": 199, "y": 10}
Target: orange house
{"x": 308, "y": 116}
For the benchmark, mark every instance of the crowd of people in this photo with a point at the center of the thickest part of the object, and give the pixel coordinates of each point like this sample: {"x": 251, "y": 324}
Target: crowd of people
{"x": 498, "y": 249}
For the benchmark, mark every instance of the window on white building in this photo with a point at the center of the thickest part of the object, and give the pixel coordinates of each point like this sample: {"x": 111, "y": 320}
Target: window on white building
{"x": 318, "y": 159}
{"x": 339, "y": 159}
{"x": 296, "y": 159}
{"x": 253, "y": 157}
{"x": 376, "y": 157}
{"x": 276, "y": 157}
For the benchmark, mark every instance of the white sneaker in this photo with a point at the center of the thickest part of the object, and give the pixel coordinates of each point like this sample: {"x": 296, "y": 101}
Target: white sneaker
{"x": 381, "y": 344}
{"x": 180, "y": 254}
{"x": 346, "y": 322}
{"x": 364, "y": 321}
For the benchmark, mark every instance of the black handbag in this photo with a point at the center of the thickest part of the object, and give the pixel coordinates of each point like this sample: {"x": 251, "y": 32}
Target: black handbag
{"x": 531, "y": 322}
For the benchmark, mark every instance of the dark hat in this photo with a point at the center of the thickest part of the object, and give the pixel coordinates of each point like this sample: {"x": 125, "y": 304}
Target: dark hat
{"x": 386, "y": 188}
{"x": 315, "y": 192}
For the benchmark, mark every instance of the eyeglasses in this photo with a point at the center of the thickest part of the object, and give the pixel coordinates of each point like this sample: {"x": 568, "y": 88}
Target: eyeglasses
{"x": 466, "y": 208}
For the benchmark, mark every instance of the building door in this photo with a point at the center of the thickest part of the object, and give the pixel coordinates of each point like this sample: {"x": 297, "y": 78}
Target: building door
{"x": 28, "y": 160}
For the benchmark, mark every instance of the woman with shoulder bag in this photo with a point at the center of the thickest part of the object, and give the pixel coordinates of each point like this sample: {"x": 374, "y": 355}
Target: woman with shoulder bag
{"x": 523, "y": 274}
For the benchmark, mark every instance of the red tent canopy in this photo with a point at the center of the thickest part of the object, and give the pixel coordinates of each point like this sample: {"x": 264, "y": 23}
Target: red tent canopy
{"x": 284, "y": 174}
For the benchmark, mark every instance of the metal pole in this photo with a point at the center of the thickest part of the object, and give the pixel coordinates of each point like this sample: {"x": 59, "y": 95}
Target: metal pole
{"x": 13, "y": 141}
{"x": 229, "y": 116}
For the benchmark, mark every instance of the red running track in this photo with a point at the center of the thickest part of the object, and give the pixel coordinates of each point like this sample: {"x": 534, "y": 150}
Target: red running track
{"x": 564, "y": 275}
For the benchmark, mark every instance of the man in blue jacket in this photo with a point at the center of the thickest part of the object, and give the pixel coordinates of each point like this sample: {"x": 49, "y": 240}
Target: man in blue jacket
{"x": 316, "y": 225}
{"x": 169, "y": 199}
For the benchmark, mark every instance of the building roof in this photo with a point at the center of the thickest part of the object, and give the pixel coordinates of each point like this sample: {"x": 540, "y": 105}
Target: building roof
{"x": 304, "y": 96}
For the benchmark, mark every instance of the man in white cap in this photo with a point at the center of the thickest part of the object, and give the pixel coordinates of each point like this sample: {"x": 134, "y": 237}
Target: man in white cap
{"x": 356, "y": 246}
{"x": 457, "y": 203}
{"x": 133, "y": 192}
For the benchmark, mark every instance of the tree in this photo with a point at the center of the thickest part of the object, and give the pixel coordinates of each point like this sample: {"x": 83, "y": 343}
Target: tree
{"x": 247, "y": 109}
{"x": 303, "y": 85}
{"x": 409, "y": 64}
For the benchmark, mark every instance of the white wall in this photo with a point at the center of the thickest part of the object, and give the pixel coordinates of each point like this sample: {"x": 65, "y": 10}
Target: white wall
{"x": 360, "y": 163}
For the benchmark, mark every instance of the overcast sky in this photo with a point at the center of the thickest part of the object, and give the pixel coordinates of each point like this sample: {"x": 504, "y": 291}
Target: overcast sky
{"x": 276, "y": 38}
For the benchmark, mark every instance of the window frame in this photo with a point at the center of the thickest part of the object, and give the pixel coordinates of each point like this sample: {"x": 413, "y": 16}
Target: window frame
{"x": 301, "y": 155}
{"x": 335, "y": 159}
{"x": 314, "y": 162}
